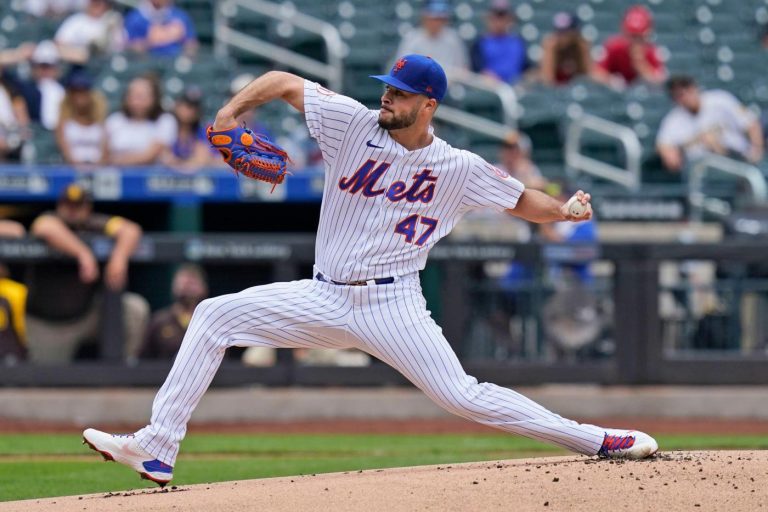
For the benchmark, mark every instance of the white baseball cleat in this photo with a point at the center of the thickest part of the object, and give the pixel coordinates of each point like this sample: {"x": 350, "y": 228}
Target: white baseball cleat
{"x": 124, "y": 449}
{"x": 627, "y": 444}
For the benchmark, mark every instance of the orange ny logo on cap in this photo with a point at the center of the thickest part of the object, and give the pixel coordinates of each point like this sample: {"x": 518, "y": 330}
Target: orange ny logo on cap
{"x": 400, "y": 64}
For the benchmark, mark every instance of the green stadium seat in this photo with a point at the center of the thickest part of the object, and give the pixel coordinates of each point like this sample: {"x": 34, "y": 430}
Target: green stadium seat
{"x": 606, "y": 22}
{"x": 675, "y": 42}
{"x": 694, "y": 48}
{"x": 684, "y": 62}
{"x": 667, "y": 22}
{"x": 452, "y": 135}
{"x": 482, "y": 103}
{"x": 488, "y": 149}
{"x": 15, "y": 30}
{"x": 366, "y": 90}
{"x": 46, "y": 150}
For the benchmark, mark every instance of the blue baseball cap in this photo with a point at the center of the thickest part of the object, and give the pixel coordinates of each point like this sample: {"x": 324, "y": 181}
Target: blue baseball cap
{"x": 418, "y": 74}
{"x": 78, "y": 79}
{"x": 437, "y": 9}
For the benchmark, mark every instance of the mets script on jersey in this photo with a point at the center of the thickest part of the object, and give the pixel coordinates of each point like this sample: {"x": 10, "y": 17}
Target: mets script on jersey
{"x": 384, "y": 207}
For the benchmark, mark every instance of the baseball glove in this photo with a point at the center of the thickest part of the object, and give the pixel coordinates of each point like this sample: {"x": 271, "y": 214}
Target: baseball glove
{"x": 250, "y": 154}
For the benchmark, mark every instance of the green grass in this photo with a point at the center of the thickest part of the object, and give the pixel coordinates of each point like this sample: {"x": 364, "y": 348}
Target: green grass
{"x": 33, "y": 466}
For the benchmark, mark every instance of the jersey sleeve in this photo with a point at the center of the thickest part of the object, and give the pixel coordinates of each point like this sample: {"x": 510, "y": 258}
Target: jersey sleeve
{"x": 490, "y": 187}
{"x": 166, "y": 129}
{"x": 742, "y": 116}
{"x": 99, "y": 223}
{"x": 609, "y": 50}
{"x": 328, "y": 116}
{"x": 64, "y": 34}
{"x": 669, "y": 133}
{"x": 654, "y": 59}
{"x": 136, "y": 26}
{"x": 190, "y": 34}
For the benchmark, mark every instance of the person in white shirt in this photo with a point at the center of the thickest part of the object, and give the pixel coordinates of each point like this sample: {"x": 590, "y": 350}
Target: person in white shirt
{"x": 51, "y": 8}
{"x": 436, "y": 39}
{"x": 96, "y": 29}
{"x": 14, "y": 122}
{"x": 80, "y": 134}
{"x": 42, "y": 92}
{"x": 140, "y": 131}
{"x": 706, "y": 122}
{"x": 515, "y": 158}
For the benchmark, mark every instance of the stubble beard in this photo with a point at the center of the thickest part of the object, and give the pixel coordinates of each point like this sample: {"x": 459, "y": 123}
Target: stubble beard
{"x": 398, "y": 122}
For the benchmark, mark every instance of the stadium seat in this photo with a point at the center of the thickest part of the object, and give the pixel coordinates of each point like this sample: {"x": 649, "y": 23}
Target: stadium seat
{"x": 715, "y": 41}
{"x": 482, "y": 103}
{"x": 46, "y": 150}
{"x": 202, "y": 14}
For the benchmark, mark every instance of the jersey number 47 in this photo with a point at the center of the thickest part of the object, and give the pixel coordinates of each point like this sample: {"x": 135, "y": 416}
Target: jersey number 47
{"x": 408, "y": 225}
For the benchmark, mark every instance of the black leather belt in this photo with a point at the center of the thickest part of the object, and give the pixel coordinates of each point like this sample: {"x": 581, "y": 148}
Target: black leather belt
{"x": 363, "y": 282}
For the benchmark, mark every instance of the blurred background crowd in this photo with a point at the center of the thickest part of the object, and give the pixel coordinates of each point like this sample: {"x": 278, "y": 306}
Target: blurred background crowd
{"x": 102, "y": 84}
{"x": 78, "y": 76}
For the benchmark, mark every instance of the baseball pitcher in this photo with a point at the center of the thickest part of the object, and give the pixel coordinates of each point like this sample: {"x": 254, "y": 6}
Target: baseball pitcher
{"x": 392, "y": 190}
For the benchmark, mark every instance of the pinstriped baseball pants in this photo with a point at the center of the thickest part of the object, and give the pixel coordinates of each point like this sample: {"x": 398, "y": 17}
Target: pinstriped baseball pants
{"x": 390, "y": 322}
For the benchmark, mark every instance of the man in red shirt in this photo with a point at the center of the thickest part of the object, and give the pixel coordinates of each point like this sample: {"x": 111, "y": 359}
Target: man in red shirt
{"x": 630, "y": 56}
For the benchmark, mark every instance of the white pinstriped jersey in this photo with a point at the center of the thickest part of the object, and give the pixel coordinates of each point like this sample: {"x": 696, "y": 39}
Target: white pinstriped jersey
{"x": 383, "y": 206}
{"x": 383, "y": 209}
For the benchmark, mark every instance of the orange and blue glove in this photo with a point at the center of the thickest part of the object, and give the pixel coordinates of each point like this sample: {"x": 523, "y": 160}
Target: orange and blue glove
{"x": 250, "y": 154}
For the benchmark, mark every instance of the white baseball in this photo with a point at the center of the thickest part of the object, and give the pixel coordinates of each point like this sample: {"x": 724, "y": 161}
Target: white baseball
{"x": 576, "y": 208}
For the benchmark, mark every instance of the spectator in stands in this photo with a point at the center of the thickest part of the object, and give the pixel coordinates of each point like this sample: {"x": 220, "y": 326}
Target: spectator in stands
{"x": 500, "y": 53}
{"x": 13, "y": 298}
{"x": 96, "y": 30}
{"x": 140, "y": 132}
{"x": 631, "y": 56}
{"x": 168, "y": 326}
{"x": 11, "y": 229}
{"x": 81, "y": 135}
{"x": 435, "y": 38}
{"x": 65, "y": 299}
{"x": 572, "y": 316}
{"x": 764, "y": 36}
{"x": 13, "y": 341}
{"x": 764, "y": 124}
{"x": 191, "y": 150}
{"x": 568, "y": 232}
{"x": 161, "y": 29}
{"x": 10, "y": 57}
{"x": 571, "y": 280}
{"x": 566, "y": 53}
{"x": 43, "y": 92}
{"x": 515, "y": 158}
{"x": 14, "y": 122}
{"x": 51, "y": 8}
{"x": 706, "y": 122}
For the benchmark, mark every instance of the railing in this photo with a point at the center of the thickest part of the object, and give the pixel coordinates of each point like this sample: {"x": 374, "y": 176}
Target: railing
{"x": 696, "y": 198}
{"x": 458, "y": 117}
{"x": 506, "y": 93}
{"x": 627, "y": 176}
{"x": 493, "y": 129}
{"x": 332, "y": 71}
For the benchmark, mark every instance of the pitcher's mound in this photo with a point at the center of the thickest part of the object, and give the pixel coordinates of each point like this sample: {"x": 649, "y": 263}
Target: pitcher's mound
{"x": 715, "y": 480}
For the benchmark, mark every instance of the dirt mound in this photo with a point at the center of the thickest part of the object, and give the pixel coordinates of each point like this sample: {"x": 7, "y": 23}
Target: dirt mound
{"x": 717, "y": 480}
